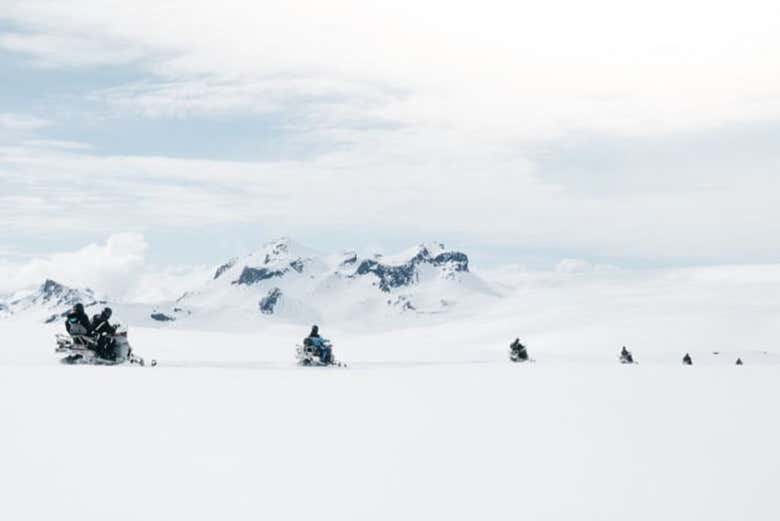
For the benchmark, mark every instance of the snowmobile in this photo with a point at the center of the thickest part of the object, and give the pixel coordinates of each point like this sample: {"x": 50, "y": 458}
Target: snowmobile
{"x": 626, "y": 357}
{"x": 83, "y": 350}
{"x": 518, "y": 352}
{"x": 308, "y": 354}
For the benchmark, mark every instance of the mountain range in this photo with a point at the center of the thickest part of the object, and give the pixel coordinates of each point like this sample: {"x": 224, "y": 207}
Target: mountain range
{"x": 286, "y": 281}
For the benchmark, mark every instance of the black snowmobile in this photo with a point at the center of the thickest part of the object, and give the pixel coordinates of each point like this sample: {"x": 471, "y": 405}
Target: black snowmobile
{"x": 626, "y": 357}
{"x": 316, "y": 353}
{"x": 106, "y": 349}
{"x": 518, "y": 352}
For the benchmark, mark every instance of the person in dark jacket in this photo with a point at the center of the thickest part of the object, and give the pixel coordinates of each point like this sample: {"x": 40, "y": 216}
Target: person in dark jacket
{"x": 739, "y": 361}
{"x": 315, "y": 333}
{"x": 518, "y": 351}
{"x": 104, "y": 331}
{"x": 625, "y": 356}
{"x": 100, "y": 323}
{"x": 687, "y": 360}
{"x": 77, "y": 322}
{"x": 315, "y": 340}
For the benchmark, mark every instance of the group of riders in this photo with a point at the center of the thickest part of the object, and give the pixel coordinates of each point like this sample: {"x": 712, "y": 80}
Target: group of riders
{"x": 98, "y": 334}
{"x": 519, "y": 353}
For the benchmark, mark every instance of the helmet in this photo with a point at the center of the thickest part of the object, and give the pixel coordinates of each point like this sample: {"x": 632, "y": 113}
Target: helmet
{"x": 78, "y": 308}
{"x": 315, "y": 330}
{"x": 106, "y": 313}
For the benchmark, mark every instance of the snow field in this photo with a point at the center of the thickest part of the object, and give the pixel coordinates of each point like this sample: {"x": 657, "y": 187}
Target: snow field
{"x": 469, "y": 441}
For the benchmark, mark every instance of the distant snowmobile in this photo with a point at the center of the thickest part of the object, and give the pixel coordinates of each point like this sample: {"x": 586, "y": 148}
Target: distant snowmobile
{"x": 739, "y": 361}
{"x": 318, "y": 352}
{"x": 687, "y": 360}
{"x": 83, "y": 349}
{"x": 518, "y": 352}
{"x": 626, "y": 357}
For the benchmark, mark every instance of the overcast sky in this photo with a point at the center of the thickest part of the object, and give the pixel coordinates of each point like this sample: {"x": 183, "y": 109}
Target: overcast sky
{"x": 635, "y": 133}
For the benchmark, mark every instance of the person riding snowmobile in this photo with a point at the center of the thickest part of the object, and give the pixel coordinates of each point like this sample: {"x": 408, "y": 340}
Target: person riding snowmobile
{"x": 625, "y": 356}
{"x": 77, "y": 322}
{"x": 104, "y": 332}
{"x": 518, "y": 352}
{"x": 315, "y": 340}
{"x": 687, "y": 360}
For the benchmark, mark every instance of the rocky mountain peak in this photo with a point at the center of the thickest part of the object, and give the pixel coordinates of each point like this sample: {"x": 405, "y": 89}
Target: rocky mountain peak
{"x": 403, "y": 269}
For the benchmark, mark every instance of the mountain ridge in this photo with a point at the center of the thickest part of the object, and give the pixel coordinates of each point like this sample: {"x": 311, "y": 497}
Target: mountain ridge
{"x": 285, "y": 280}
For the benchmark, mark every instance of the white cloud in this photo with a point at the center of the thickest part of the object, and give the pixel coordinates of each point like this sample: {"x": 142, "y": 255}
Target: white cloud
{"x": 112, "y": 268}
{"x": 168, "y": 283}
{"x": 56, "y": 144}
{"x": 21, "y": 122}
{"x": 116, "y": 269}
{"x": 220, "y": 96}
{"x": 460, "y": 89}
{"x": 451, "y": 194}
{"x": 503, "y": 70}
{"x": 58, "y": 48}
{"x": 574, "y": 266}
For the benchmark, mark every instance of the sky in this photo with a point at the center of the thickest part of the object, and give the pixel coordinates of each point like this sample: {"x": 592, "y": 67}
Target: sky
{"x": 640, "y": 135}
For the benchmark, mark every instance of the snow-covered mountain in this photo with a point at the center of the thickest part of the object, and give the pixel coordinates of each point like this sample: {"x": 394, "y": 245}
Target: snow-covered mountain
{"x": 49, "y": 302}
{"x": 288, "y": 281}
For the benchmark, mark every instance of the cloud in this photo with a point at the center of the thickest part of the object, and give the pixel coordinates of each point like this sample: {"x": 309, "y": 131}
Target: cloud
{"x": 21, "y": 122}
{"x": 112, "y": 268}
{"x": 55, "y": 144}
{"x": 57, "y": 48}
{"x": 452, "y": 195}
{"x": 168, "y": 283}
{"x": 117, "y": 269}
{"x": 433, "y": 119}
{"x": 507, "y": 70}
{"x": 254, "y": 95}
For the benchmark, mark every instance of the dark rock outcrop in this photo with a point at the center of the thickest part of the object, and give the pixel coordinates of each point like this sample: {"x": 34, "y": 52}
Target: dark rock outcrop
{"x": 389, "y": 276}
{"x": 297, "y": 265}
{"x": 268, "y": 303}
{"x": 279, "y": 248}
{"x": 161, "y": 317}
{"x": 52, "y": 292}
{"x": 457, "y": 260}
{"x": 222, "y": 269}
{"x": 396, "y": 276}
{"x": 350, "y": 258}
{"x": 51, "y": 288}
{"x": 251, "y": 276}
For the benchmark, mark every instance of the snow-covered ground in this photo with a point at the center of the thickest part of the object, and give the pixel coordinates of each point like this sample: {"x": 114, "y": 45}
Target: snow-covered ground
{"x": 430, "y": 421}
{"x": 447, "y": 441}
